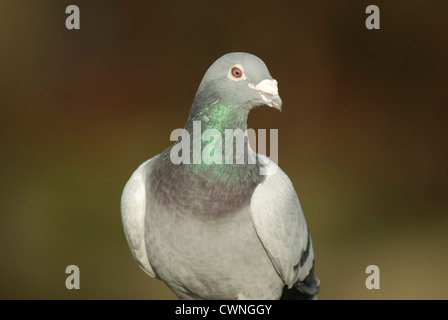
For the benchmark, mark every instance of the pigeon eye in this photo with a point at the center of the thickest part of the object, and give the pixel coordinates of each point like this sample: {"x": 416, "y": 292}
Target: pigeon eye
{"x": 236, "y": 72}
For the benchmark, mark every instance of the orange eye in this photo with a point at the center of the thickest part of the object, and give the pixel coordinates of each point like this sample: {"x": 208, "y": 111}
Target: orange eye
{"x": 236, "y": 72}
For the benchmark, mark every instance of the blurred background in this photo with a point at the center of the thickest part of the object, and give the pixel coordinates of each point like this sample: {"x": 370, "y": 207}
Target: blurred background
{"x": 363, "y": 134}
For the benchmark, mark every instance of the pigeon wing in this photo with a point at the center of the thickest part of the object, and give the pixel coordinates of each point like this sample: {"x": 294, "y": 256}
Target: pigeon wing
{"x": 133, "y": 206}
{"x": 281, "y": 226}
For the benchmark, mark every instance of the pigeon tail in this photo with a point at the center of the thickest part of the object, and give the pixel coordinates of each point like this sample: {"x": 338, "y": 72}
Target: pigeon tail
{"x": 303, "y": 290}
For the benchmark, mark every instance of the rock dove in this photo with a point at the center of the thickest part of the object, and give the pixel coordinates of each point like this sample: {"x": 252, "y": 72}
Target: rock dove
{"x": 221, "y": 230}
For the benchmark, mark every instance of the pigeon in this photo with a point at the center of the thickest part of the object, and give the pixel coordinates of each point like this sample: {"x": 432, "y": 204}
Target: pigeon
{"x": 221, "y": 229}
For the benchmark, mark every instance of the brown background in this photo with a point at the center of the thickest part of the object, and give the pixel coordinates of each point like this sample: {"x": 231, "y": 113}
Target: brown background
{"x": 362, "y": 136}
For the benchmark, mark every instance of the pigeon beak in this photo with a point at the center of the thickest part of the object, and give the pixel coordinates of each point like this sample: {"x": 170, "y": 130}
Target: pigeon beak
{"x": 268, "y": 90}
{"x": 275, "y": 102}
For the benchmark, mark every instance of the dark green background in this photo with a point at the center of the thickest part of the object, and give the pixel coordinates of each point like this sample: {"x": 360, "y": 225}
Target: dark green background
{"x": 362, "y": 135}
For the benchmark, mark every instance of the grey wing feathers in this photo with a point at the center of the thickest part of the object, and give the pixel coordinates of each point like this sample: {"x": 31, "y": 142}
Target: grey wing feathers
{"x": 281, "y": 227}
{"x": 133, "y": 208}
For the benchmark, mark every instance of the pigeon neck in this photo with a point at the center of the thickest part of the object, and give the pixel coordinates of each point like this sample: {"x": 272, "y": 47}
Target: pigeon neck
{"x": 208, "y": 181}
{"x": 218, "y": 136}
{"x": 218, "y": 115}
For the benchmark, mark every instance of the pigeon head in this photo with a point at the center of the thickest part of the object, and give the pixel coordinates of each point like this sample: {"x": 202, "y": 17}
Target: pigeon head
{"x": 235, "y": 83}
